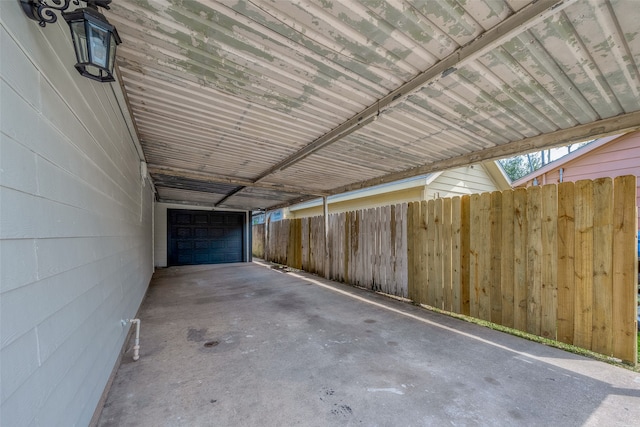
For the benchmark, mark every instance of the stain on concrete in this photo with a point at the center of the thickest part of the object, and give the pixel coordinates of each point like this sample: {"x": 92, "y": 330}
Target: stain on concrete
{"x": 515, "y": 414}
{"x": 196, "y": 335}
{"x": 492, "y": 381}
{"x": 343, "y": 410}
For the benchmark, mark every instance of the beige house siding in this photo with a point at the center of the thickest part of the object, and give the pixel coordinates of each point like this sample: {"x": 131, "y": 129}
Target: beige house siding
{"x": 383, "y": 199}
{"x": 465, "y": 180}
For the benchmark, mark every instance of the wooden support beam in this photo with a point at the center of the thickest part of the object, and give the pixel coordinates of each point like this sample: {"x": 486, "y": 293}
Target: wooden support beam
{"x": 221, "y": 179}
{"x": 613, "y": 125}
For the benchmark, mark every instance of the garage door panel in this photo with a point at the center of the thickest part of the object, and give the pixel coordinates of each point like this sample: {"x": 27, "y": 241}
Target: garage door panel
{"x": 217, "y": 232}
{"x": 217, "y": 245}
{"x": 200, "y": 219}
{"x": 201, "y": 233}
{"x": 202, "y": 244}
{"x": 201, "y": 257}
{"x": 185, "y": 259}
{"x": 234, "y": 245}
{"x": 229, "y": 258}
{"x": 182, "y": 219}
{"x": 182, "y": 232}
{"x": 201, "y": 237}
{"x": 184, "y": 244}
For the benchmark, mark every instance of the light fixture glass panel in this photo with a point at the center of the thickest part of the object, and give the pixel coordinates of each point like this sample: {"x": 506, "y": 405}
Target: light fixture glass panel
{"x": 80, "y": 40}
{"x": 112, "y": 51}
{"x": 99, "y": 44}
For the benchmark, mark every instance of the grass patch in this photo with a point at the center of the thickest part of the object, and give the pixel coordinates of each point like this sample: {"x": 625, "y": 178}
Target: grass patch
{"x": 551, "y": 343}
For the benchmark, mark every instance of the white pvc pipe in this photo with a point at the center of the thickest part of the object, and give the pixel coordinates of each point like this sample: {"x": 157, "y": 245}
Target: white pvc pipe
{"x": 136, "y": 347}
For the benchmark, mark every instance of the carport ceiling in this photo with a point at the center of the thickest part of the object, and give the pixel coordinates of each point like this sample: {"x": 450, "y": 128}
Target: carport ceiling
{"x": 255, "y": 104}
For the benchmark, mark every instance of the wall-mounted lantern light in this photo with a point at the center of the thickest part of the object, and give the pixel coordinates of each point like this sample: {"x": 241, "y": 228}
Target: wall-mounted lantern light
{"x": 94, "y": 38}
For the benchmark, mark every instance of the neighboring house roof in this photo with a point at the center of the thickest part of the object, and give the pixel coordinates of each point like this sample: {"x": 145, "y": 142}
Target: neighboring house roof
{"x": 493, "y": 169}
{"x": 611, "y": 157}
{"x": 416, "y": 181}
{"x": 587, "y": 148}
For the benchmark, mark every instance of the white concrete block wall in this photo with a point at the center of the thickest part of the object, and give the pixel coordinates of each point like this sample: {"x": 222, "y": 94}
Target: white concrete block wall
{"x": 75, "y": 228}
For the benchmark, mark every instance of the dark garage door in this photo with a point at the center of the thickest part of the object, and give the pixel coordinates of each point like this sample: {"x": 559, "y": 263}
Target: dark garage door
{"x": 204, "y": 237}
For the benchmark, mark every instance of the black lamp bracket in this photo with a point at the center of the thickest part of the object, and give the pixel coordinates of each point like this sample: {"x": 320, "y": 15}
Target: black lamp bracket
{"x": 43, "y": 11}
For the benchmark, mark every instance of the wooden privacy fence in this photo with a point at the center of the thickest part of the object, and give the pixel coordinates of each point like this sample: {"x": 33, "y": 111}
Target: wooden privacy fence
{"x": 257, "y": 240}
{"x": 557, "y": 261}
{"x": 365, "y": 248}
{"x": 298, "y": 243}
{"x": 368, "y": 248}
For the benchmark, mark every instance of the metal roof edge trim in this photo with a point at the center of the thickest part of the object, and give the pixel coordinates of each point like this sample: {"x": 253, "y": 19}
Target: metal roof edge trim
{"x": 390, "y": 187}
{"x": 178, "y": 204}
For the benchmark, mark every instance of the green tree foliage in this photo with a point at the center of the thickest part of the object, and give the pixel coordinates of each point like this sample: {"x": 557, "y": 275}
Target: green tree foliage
{"x": 519, "y": 166}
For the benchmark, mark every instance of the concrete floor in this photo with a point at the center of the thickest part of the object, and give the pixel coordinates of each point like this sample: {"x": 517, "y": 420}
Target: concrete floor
{"x": 244, "y": 345}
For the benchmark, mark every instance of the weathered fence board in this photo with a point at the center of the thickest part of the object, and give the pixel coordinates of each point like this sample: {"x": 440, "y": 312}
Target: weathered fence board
{"x": 401, "y": 245}
{"x": 257, "y": 240}
{"x": 412, "y": 258}
{"x": 558, "y": 260}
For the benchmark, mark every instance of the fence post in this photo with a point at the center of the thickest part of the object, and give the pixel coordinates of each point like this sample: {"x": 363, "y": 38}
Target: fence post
{"x": 325, "y": 217}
